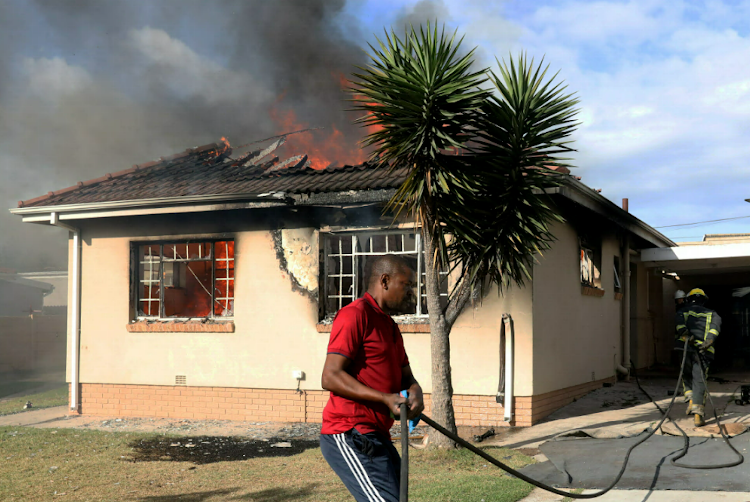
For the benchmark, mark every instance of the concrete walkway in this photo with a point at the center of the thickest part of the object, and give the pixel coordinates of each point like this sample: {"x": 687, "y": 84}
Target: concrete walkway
{"x": 623, "y": 411}
{"x": 37, "y": 418}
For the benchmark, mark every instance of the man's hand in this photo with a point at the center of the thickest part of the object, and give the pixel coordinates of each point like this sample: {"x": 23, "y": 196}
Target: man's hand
{"x": 394, "y": 401}
{"x": 416, "y": 401}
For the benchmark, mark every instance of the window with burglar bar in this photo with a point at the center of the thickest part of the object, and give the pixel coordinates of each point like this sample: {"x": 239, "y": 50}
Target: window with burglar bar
{"x": 185, "y": 279}
{"x": 345, "y": 265}
{"x": 590, "y": 251}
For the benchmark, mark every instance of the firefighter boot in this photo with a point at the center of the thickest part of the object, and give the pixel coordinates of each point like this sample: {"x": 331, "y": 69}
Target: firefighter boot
{"x": 698, "y": 411}
{"x": 689, "y": 408}
{"x": 688, "y": 396}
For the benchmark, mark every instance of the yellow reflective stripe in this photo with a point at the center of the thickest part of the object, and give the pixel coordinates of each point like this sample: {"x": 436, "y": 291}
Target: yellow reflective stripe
{"x": 708, "y": 325}
{"x": 713, "y": 332}
{"x": 681, "y": 326}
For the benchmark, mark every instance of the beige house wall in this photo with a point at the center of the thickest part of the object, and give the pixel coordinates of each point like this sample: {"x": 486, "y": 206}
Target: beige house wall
{"x": 475, "y": 344}
{"x": 576, "y": 337}
{"x": 275, "y": 328}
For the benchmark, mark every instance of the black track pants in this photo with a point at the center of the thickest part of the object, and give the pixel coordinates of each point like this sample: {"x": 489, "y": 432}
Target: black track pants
{"x": 368, "y": 464}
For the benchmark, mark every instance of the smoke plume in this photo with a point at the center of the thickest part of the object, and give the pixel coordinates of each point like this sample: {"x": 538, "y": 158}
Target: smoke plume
{"x": 90, "y": 87}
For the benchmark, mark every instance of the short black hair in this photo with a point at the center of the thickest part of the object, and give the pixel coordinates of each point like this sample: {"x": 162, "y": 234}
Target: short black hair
{"x": 390, "y": 264}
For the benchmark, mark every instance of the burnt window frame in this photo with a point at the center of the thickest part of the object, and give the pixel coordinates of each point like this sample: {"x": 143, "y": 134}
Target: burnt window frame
{"x": 136, "y": 279}
{"x": 592, "y": 246}
{"x": 358, "y": 269}
{"x": 617, "y": 280}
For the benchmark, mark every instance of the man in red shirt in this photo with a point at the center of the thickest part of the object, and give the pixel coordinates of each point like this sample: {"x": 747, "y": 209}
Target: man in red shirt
{"x": 365, "y": 369}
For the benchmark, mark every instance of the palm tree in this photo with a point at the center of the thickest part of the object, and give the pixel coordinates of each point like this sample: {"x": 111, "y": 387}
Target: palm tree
{"x": 480, "y": 213}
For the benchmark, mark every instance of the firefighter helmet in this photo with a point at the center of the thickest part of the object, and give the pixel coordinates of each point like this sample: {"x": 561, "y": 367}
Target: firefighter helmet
{"x": 679, "y": 294}
{"x": 696, "y": 294}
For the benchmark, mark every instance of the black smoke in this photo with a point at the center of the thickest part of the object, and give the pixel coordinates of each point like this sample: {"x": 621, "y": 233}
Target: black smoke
{"x": 90, "y": 87}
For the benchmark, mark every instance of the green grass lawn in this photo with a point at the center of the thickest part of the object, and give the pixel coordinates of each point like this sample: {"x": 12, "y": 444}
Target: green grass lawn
{"x": 44, "y": 464}
{"x": 46, "y": 399}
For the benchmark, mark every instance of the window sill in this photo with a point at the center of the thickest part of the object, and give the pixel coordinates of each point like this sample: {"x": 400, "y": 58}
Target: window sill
{"x": 403, "y": 327}
{"x": 181, "y": 327}
{"x": 589, "y": 291}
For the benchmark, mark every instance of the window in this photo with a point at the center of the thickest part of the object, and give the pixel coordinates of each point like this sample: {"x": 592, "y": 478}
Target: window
{"x": 590, "y": 263}
{"x": 185, "y": 279}
{"x": 345, "y": 266}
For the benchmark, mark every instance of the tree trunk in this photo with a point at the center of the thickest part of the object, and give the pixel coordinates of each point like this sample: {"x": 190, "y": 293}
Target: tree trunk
{"x": 442, "y": 385}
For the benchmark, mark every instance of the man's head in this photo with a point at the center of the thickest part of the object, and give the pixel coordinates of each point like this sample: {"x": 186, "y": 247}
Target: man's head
{"x": 391, "y": 283}
{"x": 697, "y": 296}
{"x": 679, "y": 298}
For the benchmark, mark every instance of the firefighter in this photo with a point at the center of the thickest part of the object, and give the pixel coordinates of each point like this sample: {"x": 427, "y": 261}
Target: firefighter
{"x": 679, "y": 300}
{"x": 701, "y": 325}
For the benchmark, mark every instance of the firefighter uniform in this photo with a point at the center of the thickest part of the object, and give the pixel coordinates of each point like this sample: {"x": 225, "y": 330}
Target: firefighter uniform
{"x": 704, "y": 325}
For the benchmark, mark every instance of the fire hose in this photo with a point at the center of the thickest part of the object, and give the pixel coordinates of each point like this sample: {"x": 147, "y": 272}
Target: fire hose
{"x": 404, "y": 488}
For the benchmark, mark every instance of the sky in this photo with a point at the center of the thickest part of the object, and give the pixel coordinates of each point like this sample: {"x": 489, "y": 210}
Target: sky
{"x": 89, "y": 87}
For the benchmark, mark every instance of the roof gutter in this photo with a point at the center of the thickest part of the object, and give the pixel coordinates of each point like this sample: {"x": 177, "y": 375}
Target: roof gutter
{"x": 581, "y": 194}
{"x": 200, "y": 203}
{"x": 139, "y": 207}
{"x": 75, "y": 310}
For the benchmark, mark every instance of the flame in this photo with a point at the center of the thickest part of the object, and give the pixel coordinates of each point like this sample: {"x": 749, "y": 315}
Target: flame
{"x": 324, "y": 148}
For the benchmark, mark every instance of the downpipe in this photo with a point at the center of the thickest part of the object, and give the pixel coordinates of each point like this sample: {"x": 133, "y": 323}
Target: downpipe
{"x": 75, "y": 309}
{"x": 622, "y": 370}
{"x": 509, "y": 345}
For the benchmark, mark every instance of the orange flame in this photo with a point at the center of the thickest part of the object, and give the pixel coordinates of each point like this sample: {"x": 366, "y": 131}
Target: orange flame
{"x": 326, "y": 147}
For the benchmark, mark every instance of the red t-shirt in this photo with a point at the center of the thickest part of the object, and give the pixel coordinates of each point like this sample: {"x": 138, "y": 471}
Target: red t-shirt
{"x": 367, "y": 336}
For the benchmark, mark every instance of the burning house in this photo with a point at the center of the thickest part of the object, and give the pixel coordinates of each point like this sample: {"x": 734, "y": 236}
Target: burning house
{"x": 202, "y": 286}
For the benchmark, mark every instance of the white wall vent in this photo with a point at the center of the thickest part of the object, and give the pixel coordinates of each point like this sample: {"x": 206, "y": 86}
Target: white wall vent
{"x": 180, "y": 380}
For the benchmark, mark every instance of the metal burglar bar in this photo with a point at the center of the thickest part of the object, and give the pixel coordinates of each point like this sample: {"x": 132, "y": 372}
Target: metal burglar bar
{"x": 344, "y": 267}
{"x": 175, "y": 280}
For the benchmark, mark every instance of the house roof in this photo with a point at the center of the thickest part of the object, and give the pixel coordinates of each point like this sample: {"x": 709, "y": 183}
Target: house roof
{"x": 18, "y": 279}
{"x": 209, "y": 178}
{"x": 209, "y": 170}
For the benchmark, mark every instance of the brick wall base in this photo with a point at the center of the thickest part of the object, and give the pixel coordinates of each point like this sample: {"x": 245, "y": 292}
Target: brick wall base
{"x": 275, "y": 405}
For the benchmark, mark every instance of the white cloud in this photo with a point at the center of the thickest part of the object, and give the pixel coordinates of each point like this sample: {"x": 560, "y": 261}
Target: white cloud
{"x": 665, "y": 97}
{"x": 629, "y": 22}
{"x": 53, "y": 78}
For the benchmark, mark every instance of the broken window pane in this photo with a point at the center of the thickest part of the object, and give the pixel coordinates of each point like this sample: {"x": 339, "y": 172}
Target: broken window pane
{"x": 410, "y": 242}
{"x": 193, "y": 298}
{"x": 332, "y": 286}
{"x": 346, "y": 244}
{"x": 378, "y": 243}
{"x": 347, "y": 265}
{"x": 394, "y": 243}
{"x": 149, "y": 300}
{"x": 187, "y": 251}
{"x": 191, "y": 283}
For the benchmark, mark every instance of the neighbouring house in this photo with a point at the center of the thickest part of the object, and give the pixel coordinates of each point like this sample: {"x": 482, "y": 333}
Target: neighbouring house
{"x": 56, "y": 302}
{"x": 31, "y": 337}
{"x": 203, "y": 285}
{"x": 20, "y": 295}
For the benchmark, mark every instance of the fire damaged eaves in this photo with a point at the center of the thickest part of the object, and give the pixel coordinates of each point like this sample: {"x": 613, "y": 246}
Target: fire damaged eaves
{"x": 344, "y": 198}
{"x": 584, "y": 196}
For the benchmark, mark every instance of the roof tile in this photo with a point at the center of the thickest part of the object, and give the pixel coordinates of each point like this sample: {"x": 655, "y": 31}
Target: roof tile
{"x": 208, "y": 170}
